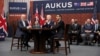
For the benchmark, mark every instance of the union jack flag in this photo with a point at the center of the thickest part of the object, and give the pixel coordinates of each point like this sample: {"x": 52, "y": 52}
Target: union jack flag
{"x": 36, "y": 15}
{"x": 42, "y": 19}
{"x": 3, "y": 24}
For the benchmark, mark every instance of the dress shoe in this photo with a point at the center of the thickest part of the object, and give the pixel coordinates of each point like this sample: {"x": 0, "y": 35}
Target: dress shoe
{"x": 90, "y": 44}
{"x": 57, "y": 45}
{"x": 77, "y": 44}
{"x": 85, "y": 43}
{"x": 27, "y": 45}
{"x": 99, "y": 44}
{"x": 70, "y": 43}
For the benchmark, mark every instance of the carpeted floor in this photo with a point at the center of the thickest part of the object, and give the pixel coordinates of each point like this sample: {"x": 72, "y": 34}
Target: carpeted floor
{"x": 76, "y": 50}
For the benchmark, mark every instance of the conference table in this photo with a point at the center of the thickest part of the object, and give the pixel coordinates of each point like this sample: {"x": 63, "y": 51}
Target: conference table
{"x": 40, "y": 37}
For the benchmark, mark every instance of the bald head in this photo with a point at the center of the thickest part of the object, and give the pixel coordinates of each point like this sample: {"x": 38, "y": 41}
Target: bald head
{"x": 23, "y": 16}
{"x": 88, "y": 20}
{"x": 72, "y": 20}
{"x": 48, "y": 17}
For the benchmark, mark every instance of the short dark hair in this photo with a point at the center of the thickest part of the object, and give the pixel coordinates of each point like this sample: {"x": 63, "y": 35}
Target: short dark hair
{"x": 59, "y": 15}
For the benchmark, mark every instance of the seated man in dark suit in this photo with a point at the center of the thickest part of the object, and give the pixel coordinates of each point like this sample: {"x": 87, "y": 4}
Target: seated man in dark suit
{"x": 74, "y": 30}
{"x": 98, "y": 35}
{"x": 48, "y": 23}
{"x": 20, "y": 32}
{"x": 87, "y": 32}
{"x": 59, "y": 27}
{"x": 97, "y": 30}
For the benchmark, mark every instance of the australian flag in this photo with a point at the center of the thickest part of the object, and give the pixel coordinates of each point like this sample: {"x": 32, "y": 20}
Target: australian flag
{"x": 42, "y": 19}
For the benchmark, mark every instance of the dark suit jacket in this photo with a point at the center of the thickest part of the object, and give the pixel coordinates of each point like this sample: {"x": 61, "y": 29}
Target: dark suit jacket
{"x": 98, "y": 29}
{"x": 48, "y": 33}
{"x": 73, "y": 28}
{"x": 88, "y": 27}
{"x": 19, "y": 31}
{"x": 60, "y": 29}
{"x": 48, "y": 25}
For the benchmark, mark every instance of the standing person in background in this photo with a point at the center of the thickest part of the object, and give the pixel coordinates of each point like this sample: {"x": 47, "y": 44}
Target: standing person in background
{"x": 23, "y": 23}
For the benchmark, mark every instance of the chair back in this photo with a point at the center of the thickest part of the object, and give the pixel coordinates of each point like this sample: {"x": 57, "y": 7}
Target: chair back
{"x": 14, "y": 25}
{"x": 66, "y": 31}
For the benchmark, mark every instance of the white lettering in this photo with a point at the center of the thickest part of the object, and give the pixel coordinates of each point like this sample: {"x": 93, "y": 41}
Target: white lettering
{"x": 64, "y": 5}
{"x": 59, "y": 5}
{"x": 17, "y": 8}
{"x": 52, "y": 5}
{"x": 47, "y": 5}
{"x": 69, "y": 4}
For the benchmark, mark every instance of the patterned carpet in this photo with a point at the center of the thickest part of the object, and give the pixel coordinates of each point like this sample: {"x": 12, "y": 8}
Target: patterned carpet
{"x": 76, "y": 50}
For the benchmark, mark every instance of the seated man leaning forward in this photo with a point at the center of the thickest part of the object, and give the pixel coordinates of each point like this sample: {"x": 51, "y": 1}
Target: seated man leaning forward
{"x": 23, "y": 23}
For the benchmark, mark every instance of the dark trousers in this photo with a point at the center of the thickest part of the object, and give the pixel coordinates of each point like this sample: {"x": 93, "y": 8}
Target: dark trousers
{"x": 99, "y": 39}
{"x": 26, "y": 38}
{"x": 76, "y": 37}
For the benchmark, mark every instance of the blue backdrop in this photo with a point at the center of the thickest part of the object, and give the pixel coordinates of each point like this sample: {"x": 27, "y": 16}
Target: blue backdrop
{"x": 17, "y": 7}
{"x": 66, "y": 6}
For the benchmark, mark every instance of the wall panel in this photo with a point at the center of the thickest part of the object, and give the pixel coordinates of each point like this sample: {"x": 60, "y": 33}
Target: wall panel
{"x": 67, "y": 17}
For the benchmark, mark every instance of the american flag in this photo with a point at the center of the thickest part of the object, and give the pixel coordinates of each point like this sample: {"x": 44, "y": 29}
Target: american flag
{"x": 36, "y": 15}
{"x": 94, "y": 13}
{"x": 90, "y": 3}
{"x": 42, "y": 19}
{"x": 3, "y": 24}
{"x": 29, "y": 18}
{"x": 83, "y": 4}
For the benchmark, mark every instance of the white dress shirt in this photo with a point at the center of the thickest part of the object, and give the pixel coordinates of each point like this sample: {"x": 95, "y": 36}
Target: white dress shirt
{"x": 24, "y": 23}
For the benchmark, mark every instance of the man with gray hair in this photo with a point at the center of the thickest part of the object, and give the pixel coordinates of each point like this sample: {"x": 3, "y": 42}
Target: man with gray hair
{"x": 23, "y": 23}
